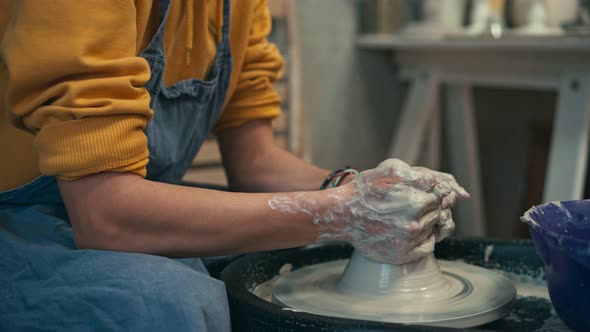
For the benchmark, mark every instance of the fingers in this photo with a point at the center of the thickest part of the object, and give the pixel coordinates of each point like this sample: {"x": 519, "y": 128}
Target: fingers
{"x": 448, "y": 201}
{"x": 445, "y": 226}
{"x": 420, "y": 238}
{"x": 429, "y": 203}
{"x": 397, "y": 202}
{"x": 460, "y": 191}
{"x": 422, "y": 249}
{"x": 422, "y": 177}
{"x": 396, "y": 168}
{"x": 427, "y": 182}
{"x": 399, "y": 212}
{"x": 428, "y": 220}
{"x": 426, "y": 246}
{"x": 392, "y": 164}
{"x": 455, "y": 187}
{"x": 447, "y": 179}
{"x": 392, "y": 172}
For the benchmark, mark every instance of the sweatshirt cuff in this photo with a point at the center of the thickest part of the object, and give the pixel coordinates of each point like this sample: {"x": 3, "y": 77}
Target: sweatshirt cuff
{"x": 76, "y": 148}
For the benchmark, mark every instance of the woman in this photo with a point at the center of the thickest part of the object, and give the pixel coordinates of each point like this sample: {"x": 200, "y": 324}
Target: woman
{"x": 112, "y": 99}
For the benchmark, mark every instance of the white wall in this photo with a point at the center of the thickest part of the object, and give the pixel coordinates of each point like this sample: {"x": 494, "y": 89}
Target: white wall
{"x": 350, "y": 98}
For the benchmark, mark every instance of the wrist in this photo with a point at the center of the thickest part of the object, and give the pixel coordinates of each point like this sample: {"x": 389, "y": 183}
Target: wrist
{"x": 333, "y": 212}
{"x": 338, "y": 177}
{"x": 348, "y": 178}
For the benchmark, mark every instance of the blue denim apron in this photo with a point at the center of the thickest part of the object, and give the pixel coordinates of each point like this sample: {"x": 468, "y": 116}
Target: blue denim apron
{"x": 46, "y": 284}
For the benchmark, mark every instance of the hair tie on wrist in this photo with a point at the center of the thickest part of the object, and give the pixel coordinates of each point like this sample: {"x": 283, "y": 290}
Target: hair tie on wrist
{"x": 337, "y": 176}
{"x": 343, "y": 175}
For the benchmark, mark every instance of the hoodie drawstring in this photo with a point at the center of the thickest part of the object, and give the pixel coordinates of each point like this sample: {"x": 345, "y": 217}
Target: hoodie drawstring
{"x": 189, "y": 27}
{"x": 189, "y": 30}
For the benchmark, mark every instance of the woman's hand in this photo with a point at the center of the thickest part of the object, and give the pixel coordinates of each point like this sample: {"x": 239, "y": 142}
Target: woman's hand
{"x": 392, "y": 214}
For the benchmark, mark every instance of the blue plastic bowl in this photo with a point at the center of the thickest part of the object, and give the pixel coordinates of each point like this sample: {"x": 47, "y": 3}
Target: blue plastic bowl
{"x": 561, "y": 234}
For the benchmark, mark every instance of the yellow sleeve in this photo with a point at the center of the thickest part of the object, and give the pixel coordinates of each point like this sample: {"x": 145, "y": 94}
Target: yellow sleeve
{"x": 76, "y": 83}
{"x": 254, "y": 96}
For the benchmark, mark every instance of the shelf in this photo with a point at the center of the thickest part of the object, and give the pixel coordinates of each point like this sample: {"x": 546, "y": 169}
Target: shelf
{"x": 510, "y": 42}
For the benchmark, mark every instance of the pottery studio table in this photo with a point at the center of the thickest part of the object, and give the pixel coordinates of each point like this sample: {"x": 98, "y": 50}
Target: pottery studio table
{"x": 458, "y": 63}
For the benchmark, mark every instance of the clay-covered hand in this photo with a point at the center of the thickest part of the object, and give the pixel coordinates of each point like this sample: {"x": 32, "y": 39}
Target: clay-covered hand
{"x": 446, "y": 226}
{"x": 393, "y": 213}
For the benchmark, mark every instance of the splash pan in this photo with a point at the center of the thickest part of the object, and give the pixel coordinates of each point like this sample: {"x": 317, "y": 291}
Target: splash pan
{"x": 426, "y": 292}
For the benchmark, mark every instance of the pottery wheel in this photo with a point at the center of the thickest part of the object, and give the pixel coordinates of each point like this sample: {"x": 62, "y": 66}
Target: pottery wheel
{"x": 427, "y": 292}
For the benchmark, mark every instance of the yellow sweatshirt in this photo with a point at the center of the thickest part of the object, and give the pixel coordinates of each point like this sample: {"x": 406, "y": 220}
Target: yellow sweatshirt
{"x": 71, "y": 78}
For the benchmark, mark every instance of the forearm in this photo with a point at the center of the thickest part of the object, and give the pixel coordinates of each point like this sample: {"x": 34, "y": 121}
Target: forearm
{"x": 254, "y": 162}
{"x": 124, "y": 212}
{"x": 280, "y": 170}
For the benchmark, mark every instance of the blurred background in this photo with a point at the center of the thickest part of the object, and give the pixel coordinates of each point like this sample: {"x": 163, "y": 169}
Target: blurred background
{"x": 477, "y": 88}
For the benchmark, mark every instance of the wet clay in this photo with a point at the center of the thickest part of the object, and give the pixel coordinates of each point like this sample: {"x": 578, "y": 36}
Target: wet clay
{"x": 516, "y": 260}
{"x": 451, "y": 294}
{"x": 392, "y": 214}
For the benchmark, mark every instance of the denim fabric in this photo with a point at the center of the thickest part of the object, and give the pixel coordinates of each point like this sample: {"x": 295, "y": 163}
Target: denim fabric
{"x": 49, "y": 285}
{"x": 185, "y": 112}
